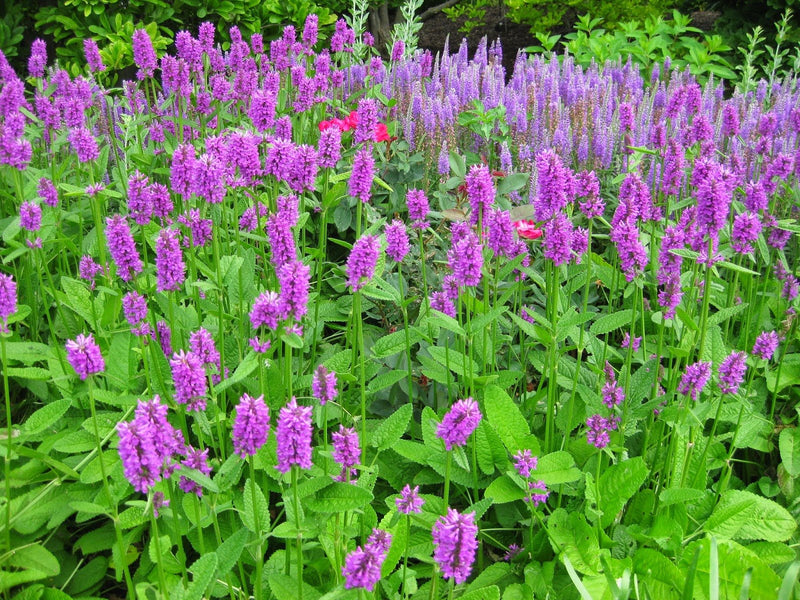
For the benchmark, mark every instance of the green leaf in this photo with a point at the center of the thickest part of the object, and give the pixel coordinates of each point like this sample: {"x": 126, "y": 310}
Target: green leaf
{"x": 202, "y": 571}
{"x": 503, "y": 490}
{"x": 679, "y": 496}
{"x": 245, "y": 368}
{"x": 659, "y": 573}
{"x": 504, "y": 416}
{"x": 392, "y": 428}
{"x": 512, "y": 182}
{"x": 612, "y": 321}
{"x": 46, "y": 416}
{"x": 618, "y": 484}
{"x": 789, "y": 444}
{"x": 440, "y": 319}
{"x": 458, "y": 363}
{"x": 229, "y": 551}
{"x": 255, "y": 512}
{"x": 79, "y": 299}
{"x": 557, "y": 467}
{"x": 393, "y": 343}
{"x": 339, "y": 497}
{"x": 743, "y": 515}
{"x": 285, "y": 588}
{"x": 772, "y": 553}
{"x": 385, "y": 380}
{"x": 35, "y": 557}
{"x": 491, "y": 592}
{"x": 572, "y": 536}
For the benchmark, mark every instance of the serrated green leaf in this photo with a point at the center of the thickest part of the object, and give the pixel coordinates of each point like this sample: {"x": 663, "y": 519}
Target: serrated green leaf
{"x": 742, "y": 515}
{"x": 255, "y": 515}
{"x": 285, "y": 588}
{"x": 504, "y": 416}
{"x": 789, "y": 444}
{"x": 447, "y": 322}
{"x": 618, "y": 484}
{"x": 229, "y": 551}
{"x": 392, "y": 428}
{"x": 385, "y": 380}
{"x": 503, "y": 490}
{"x": 35, "y": 557}
{"x": 571, "y": 535}
{"x": 610, "y": 322}
{"x": 458, "y": 363}
{"x": 242, "y": 371}
{"x": 202, "y": 571}
{"x": 556, "y": 468}
{"x": 339, "y": 497}
{"x": 393, "y": 343}
{"x": 46, "y": 417}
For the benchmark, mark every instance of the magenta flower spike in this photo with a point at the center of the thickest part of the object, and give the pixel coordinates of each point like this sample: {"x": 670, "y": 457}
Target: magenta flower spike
{"x": 293, "y": 433}
{"x": 455, "y": 540}
{"x": 84, "y": 356}
{"x": 250, "y": 426}
{"x": 459, "y": 423}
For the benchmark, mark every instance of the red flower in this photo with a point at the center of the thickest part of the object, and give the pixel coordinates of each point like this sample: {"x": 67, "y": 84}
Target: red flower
{"x": 382, "y": 134}
{"x": 527, "y": 229}
{"x": 349, "y": 122}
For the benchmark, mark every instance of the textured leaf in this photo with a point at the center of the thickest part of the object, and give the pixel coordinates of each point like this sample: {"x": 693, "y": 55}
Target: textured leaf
{"x": 393, "y": 343}
{"x": 504, "y": 415}
{"x": 392, "y": 428}
{"x": 743, "y": 515}
{"x": 457, "y": 362}
{"x": 35, "y": 557}
{"x": 339, "y": 497}
{"x": 789, "y": 443}
{"x": 202, "y": 571}
{"x": 572, "y": 535}
{"x": 610, "y": 322}
{"x": 618, "y": 484}
{"x": 285, "y": 588}
{"x": 385, "y": 380}
{"x": 46, "y": 416}
{"x": 503, "y": 490}
{"x": 255, "y": 515}
{"x": 557, "y": 467}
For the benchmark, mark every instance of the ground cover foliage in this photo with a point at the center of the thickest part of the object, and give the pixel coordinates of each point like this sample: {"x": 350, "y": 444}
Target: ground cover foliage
{"x": 294, "y": 321}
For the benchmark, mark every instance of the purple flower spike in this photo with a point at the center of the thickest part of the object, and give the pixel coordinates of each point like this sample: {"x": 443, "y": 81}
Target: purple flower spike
{"x": 189, "y": 376}
{"x": 363, "y": 171}
{"x": 198, "y": 460}
{"x": 480, "y": 191}
{"x": 362, "y": 567}
{"x": 170, "y": 268}
{"x": 8, "y": 300}
{"x": 418, "y": 208}
{"x": 144, "y": 55}
{"x": 694, "y": 379}
{"x": 323, "y": 385}
{"x": 140, "y": 463}
{"x": 92, "y": 54}
{"x": 396, "y": 240}
{"x": 409, "y": 500}
{"x": 293, "y": 433}
{"x": 455, "y": 539}
{"x": 251, "y": 425}
{"x": 731, "y": 372}
{"x": 346, "y": 450}
{"x": 84, "y": 356}
{"x": 766, "y": 344}
{"x": 524, "y": 463}
{"x": 459, "y": 423}
{"x": 122, "y": 247}
{"x": 30, "y": 216}
{"x": 361, "y": 262}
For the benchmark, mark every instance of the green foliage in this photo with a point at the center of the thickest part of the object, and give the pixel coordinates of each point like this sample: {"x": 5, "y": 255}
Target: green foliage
{"x": 474, "y": 12}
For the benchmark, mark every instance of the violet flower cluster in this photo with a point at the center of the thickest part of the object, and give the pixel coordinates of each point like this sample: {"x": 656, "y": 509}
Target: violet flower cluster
{"x": 455, "y": 540}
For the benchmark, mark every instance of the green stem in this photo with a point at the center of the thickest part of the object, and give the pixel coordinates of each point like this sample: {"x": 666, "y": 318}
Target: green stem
{"x": 405, "y": 555}
{"x": 706, "y": 298}
{"x": 447, "y": 465}
{"x": 9, "y": 438}
{"x": 359, "y": 324}
{"x": 257, "y": 591}
{"x": 299, "y": 533}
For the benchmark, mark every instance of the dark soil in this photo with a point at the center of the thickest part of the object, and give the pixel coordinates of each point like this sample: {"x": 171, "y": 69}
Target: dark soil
{"x": 496, "y": 25}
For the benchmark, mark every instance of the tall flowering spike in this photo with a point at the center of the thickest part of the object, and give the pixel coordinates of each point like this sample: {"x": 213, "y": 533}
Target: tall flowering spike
{"x": 144, "y": 55}
{"x": 459, "y": 423}
{"x": 122, "y": 247}
{"x": 310, "y": 30}
{"x": 140, "y": 204}
{"x": 140, "y": 463}
{"x": 766, "y": 344}
{"x": 134, "y": 307}
{"x": 250, "y": 426}
{"x": 208, "y": 179}
{"x": 418, "y": 208}
{"x": 465, "y": 258}
{"x": 367, "y": 119}
{"x": 524, "y": 463}
{"x": 84, "y": 356}
{"x": 8, "y": 300}
{"x": 346, "y": 450}
{"x": 189, "y": 377}
{"x": 731, "y": 372}
{"x": 455, "y": 540}
{"x": 694, "y": 379}
{"x": 329, "y": 147}
{"x": 294, "y": 278}
{"x": 632, "y": 254}
{"x": 202, "y": 345}
{"x": 30, "y": 216}
{"x": 293, "y": 433}
{"x": 409, "y": 500}
{"x": 47, "y": 192}
{"x": 84, "y": 144}
{"x": 182, "y": 170}
{"x": 396, "y": 240}
{"x": 480, "y": 192}
{"x": 361, "y": 176}
{"x": 597, "y": 428}
{"x": 170, "y": 268}
{"x": 38, "y": 58}
{"x": 198, "y": 460}
{"x": 501, "y": 232}
{"x": 362, "y": 569}
{"x": 556, "y": 185}
{"x": 262, "y": 109}
{"x": 268, "y": 309}
{"x": 323, "y": 385}
{"x": 92, "y": 54}
{"x": 361, "y": 262}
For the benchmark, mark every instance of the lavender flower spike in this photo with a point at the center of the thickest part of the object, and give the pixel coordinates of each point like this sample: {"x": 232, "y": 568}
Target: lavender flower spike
{"x": 8, "y": 300}
{"x": 84, "y": 356}
{"x": 731, "y": 372}
{"x": 361, "y": 262}
{"x": 251, "y": 425}
{"x": 189, "y": 376}
{"x": 459, "y": 423}
{"x": 455, "y": 539}
{"x": 170, "y": 268}
{"x": 694, "y": 379}
{"x": 409, "y": 500}
{"x": 323, "y": 385}
{"x": 766, "y": 344}
{"x": 293, "y": 433}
